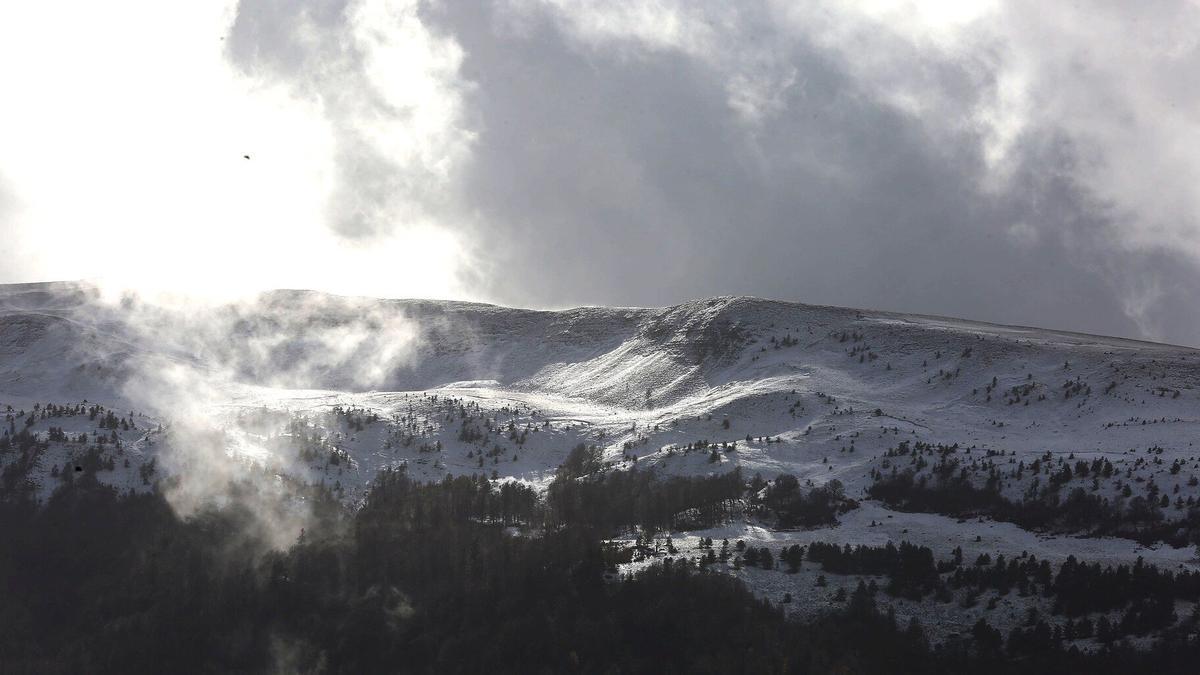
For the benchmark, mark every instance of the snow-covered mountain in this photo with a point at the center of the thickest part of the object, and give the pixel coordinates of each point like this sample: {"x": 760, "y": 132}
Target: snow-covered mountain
{"x": 639, "y": 382}
{"x": 320, "y": 388}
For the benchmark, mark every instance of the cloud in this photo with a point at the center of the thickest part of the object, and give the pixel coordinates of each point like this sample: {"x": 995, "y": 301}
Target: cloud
{"x": 1000, "y": 161}
{"x": 390, "y": 89}
{"x": 883, "y": 162}
{"x": 735, "y": 40}
{"x": 1096, "y": 98}
{"x": 127, "y": 139}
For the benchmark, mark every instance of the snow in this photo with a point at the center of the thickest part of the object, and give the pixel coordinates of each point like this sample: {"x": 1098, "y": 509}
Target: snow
{"x": 847, "y": 386}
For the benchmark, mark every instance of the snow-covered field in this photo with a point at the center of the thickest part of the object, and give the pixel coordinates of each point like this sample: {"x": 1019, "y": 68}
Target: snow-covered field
{"x": 324, "y": 389}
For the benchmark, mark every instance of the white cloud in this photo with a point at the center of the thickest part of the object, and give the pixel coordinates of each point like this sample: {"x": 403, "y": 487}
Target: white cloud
{"x": 124, "y": 131}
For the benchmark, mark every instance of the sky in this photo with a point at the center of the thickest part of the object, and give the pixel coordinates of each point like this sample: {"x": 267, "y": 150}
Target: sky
{"x": 1019, "y": 162}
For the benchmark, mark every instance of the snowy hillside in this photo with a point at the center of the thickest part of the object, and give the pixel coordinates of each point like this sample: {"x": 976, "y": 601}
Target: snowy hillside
{"x": 830, "y": 388}
{"x": 321, "y": 389}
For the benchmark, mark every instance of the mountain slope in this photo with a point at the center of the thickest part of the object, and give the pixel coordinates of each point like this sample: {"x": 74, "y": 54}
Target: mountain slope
{"x": 833, "y": 386}
{"x": 220, "y": 402}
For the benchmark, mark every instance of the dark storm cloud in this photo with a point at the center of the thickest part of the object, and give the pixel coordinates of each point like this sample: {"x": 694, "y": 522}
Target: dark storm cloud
{"x": 630, "y": 165}
{"x": 611, "y": 179}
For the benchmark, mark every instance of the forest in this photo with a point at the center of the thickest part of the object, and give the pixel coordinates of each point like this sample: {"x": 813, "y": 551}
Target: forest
{"x": 468, "y": 575}
{"x": 1137, "y": 517}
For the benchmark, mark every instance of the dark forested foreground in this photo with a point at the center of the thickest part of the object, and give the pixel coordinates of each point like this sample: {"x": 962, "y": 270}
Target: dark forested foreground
{"x": 434, "y": 578}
